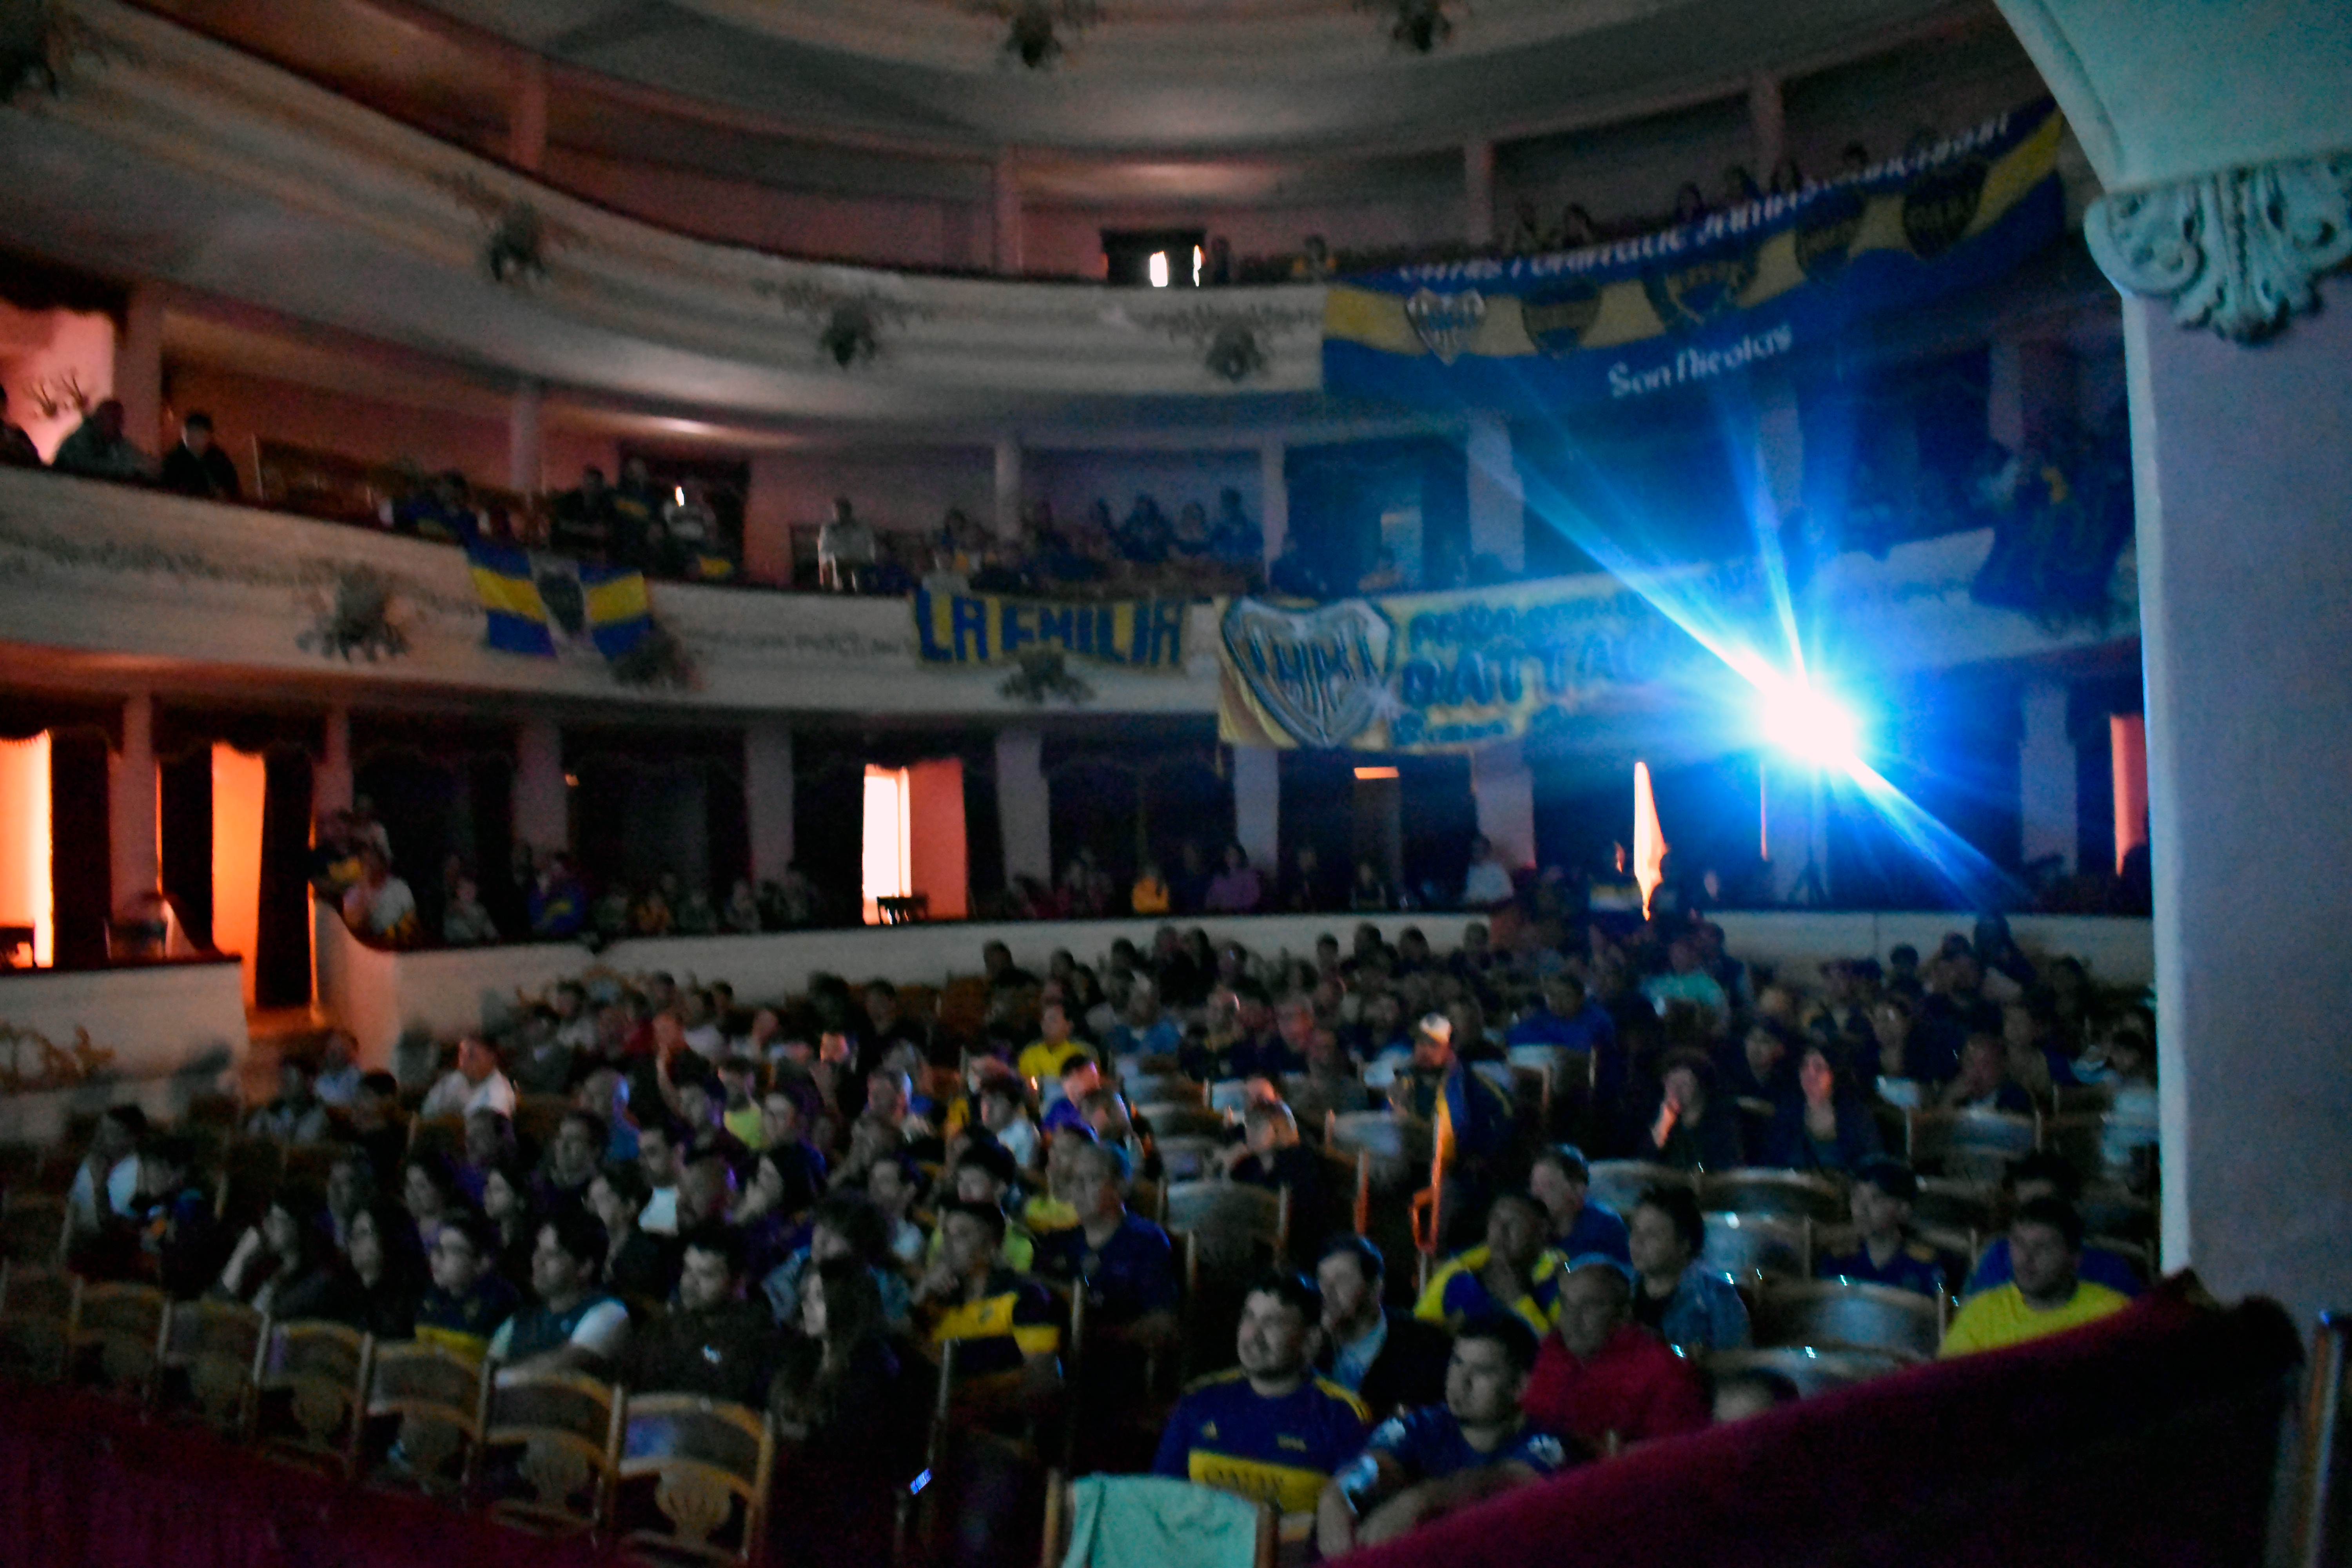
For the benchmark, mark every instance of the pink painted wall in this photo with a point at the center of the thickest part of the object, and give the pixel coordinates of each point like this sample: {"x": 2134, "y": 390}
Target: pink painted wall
{"x": 245, "y": 406}
{"x": 39, "y": 347}
{"x": 899, "y": 490}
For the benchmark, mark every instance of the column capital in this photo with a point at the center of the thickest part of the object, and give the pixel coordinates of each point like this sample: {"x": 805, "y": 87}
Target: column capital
{"x": 2238, "y": 251}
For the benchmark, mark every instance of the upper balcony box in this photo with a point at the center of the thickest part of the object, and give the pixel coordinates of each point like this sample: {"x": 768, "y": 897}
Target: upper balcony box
{"x": 166, "y": 156}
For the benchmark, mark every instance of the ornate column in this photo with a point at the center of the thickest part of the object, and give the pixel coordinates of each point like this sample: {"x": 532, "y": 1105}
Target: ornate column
{"x": 1257, "y": 806}
{"x": 526, "y": 447}
{"x": 2224, "y": 139}
{"x": 1023, "y": 807}
{"x": 1274, "y": 496}
{"x": 768, "y": 795}
{"x": 132, "y": 834}
{"x": 542, "y": 801}
{"x": 2046, "y": 777}
{"x": 138, "y": 369}
{"x": 1478, "y": 195}
{"x": 1504, "y": 792}
{"x": 1497, "y": 505}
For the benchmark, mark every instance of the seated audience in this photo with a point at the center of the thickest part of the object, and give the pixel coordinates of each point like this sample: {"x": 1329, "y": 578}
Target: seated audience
{"x": 1561, "y": 1180}
{"x": 1000, "y": 1320}
{"x": 475, "y": 1083}
{"x": 1269, "y": 1429}
{"x": 2046, "y": 1176}
{"x": 1687, "y": 1130}
{"x": 197, "y": 465}
{"x": 575, "y": 1326}
{"x": 1513, "y": 1271}
{"x": 430, "y": 1189}
{"x": 1690, "y": 1306}
{"x": 639, "y": 1267}
{"x": 374, "y": 1122}
{"x": 1487, "y": 883}
{"x": 1883, "y": 1253}
{"x": 506, "y": 1202}
{"x": 2046, "y": 1294}
{"x": 844, "y": 1225}
{"x": 716, "y": 1342}
{"x": 1236, "y": 890}
{"x": 1983, "y": 1082}
{"x": 1122, "y": 1259}
{"x": 284, "y": 1267}
{"x": 381, "y": 906}
{"x": 1270, "y": 1155}
{"x": 1602, "y": 1380}
{"x": 376, "y": 1289}
{"x": 661, "y": 1150}
{"x": 1423, "y": 1463}
{"x": 1389, "y": 1360}
{"x": 468, "y": 1299}
{"x": 106, "y": 1180}
{"x": 465, "y": 922}
{"x": 841, "y": 1399}
{"x": 98, "y": 449}
{"x": 1821, "y": 1127}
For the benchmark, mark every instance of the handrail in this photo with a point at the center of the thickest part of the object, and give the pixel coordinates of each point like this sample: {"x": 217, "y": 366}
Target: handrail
{"x": 2322, "y": 1520}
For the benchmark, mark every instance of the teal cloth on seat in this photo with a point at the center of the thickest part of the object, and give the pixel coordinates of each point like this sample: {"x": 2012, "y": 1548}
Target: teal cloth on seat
{"x": 1153, "y": 1521}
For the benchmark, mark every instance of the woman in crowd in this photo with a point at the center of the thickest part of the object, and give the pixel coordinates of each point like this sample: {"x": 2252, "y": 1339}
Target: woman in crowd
{"x": 639, "y": 1266}
{"x": 1686, "y": 1130}
{"x": 430, "y": 1188}
{"x": 283, "y": 1266}
{"x": 1690, "y": 1306}
{"x": 382, "y": 1273}
{"x": 838, "y": 1399}
{"x": 506, "y": 1203}
{"x": 770, "y": 1211}
{"x": 1821, "y": 1127}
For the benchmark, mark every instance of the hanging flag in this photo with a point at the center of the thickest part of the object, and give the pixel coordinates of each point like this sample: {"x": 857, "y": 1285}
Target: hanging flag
{"x": 1650, "y": 844}
{"x": 552, "y": 605}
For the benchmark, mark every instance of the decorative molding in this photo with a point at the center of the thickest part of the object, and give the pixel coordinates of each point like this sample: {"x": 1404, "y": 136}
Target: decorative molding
{"x": 1036, "y": 31}
{"x": 1234, "y": 343}
{"x": 356, "y": 618}
{"x": 56, "y": 1067}
{"x": 42, "y": 47}
{"x": 1045, "y": 677}
{"x": 2238, "y": 251}
{"x": 514, "y": 251}
{"x": 848, "y": 325}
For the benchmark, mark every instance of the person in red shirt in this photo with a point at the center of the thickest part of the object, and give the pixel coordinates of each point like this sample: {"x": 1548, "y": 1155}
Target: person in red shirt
{"x": 1602, "y": 1380}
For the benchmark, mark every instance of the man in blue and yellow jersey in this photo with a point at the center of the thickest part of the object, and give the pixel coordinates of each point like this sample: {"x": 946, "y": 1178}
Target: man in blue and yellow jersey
{"x": 1515, "y": 1271}
{"x": 1001, "y": 1322}
{"x": 1270, "y": 1430}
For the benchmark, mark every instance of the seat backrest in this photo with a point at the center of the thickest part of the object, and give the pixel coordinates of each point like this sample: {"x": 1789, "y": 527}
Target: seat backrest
{"x": 1813, "y": 1372}
{"x": 437, "y": 1396}
{"x": 1790, "y": 1195}
{"x": 1156, "y": 1519}
{"x": 1399, "y": 1146}
{"x": 1847, "y": 1315}
{"x": 120, "y": 1329}
{"x": 32, "y": 1226}
{"x": 1180, "y": 1119}
{"x": 1620, "y": 1184}
{"x": 567, "y": 1430}
{"x": 1970, "y": 1144}
{"x": 707, "y": 1460}
{"x": 325, "y": 1370}
{"x": 37, "y": 1314}
{"x": 1230, "y": 1094}
{"x": 216, "y": 1346}
{"x": 1959, "y": 1205}
{"x": 1163, "y": 1088}
{"x": 1187, "y": 1159}
{"x": 1238, "y": 1226}
{"x": 1350, "y": 1172}
{"x": 1752, "y": 1247}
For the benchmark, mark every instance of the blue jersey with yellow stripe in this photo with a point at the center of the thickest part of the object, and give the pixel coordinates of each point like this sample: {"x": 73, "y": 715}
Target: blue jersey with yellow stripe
{"x": 1457, "y": 1293}
{"x": 1226, "y": 1435}
{"x": 1010, "y": 1321}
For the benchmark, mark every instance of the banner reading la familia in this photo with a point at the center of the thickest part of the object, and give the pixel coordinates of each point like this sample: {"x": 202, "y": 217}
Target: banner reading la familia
{"x": 1680, "y": 307}
{"x": 987, "y": 628}
{"x": 1445, "y": 672}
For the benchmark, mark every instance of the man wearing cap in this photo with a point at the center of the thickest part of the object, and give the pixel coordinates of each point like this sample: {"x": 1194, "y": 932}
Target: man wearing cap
{"x": 1473, "y": 1118}
{"x": 1603, "y": 1380}
{"x": 1883, "y": 1190}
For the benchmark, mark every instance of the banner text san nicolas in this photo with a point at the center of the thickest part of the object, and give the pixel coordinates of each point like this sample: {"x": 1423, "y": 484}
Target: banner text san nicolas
{"x": 1684, "y": 305}
{"x": 1446, "y": 672}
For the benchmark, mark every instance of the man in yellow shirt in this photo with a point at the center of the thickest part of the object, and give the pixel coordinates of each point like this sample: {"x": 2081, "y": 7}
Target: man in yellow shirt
{"x": 2044, "y": 1295}
{"x": 1041, "y": 1060}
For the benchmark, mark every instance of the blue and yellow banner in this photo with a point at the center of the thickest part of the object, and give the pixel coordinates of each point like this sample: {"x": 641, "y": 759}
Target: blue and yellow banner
{"x": 547, "y": 605}
{"x": 1448, "y": 672}
{"x": 984, "y": 629}
{"x": 1686, "y": 305}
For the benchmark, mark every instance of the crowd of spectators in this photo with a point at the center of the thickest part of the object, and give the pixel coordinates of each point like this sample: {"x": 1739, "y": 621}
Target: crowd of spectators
{"x": 790, "y": 1204}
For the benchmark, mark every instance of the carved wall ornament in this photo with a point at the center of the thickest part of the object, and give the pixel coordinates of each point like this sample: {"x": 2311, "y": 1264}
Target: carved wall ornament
{"x": 1234, "y": 343}
{"x": 1037, "y": 33}
{"x": 356, "y": 620}
{"x": 42, "y": 45}
{"x": 1045, "y": 677}
{"x": 52, "y": 1067}
{"x": 1416, "y": 24}
{"x": 848, "y": 325}
{"x": 515, "y": 249}
{"x": 2238, "y": 251}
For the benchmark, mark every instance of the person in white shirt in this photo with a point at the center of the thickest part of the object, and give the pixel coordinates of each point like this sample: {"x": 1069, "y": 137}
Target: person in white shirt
{"x": 659, "y": 1143}
{"x": 574, "y": 1326}
{"x": 1488, "y": 881}
{"x": 845, "y": 551}
{"x": 473, "y": 1084}
{"x": 107, "y": 1180}
{"x": 338, "y": 1069}
{"x": 380, "y": 904}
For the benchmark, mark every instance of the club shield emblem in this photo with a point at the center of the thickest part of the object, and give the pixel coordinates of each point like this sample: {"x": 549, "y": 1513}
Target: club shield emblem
{"x": 1688, "y": 297}
{"x": 1320, "y": 674}
{"x": 1445, "y": 322}
{"x": 1939, "y": 206}
{"x": 1557, "y": 315}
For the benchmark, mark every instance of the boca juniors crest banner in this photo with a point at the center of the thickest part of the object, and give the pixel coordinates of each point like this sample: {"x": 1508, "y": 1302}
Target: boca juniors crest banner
{"x": 1684, "y": 305}
{"x": 984, "y": 629}
{"x": 1444, "y": 672}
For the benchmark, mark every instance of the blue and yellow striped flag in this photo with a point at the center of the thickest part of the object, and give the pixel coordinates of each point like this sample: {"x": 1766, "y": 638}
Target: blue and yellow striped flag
{"x": 539, "y": 604}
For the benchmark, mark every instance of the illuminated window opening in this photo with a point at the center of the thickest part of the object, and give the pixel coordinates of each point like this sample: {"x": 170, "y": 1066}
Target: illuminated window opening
{"x": 889, "y": 857}
{"x": 1158, "y": 268}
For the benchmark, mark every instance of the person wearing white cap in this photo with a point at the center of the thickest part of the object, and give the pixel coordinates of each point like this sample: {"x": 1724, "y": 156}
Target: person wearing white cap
{"x": 1472, "y": 1117}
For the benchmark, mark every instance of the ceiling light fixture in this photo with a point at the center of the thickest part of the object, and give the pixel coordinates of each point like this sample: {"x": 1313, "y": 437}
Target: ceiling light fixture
{"x": 1037, "y": 31}
{"x": 1416, "y": 24}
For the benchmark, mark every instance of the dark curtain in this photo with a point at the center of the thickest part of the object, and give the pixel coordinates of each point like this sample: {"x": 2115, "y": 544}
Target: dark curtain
{"x": 1318, "y": 792}
{"x": 282, "y": 960}
{"x": 1091, "y": 805}
{"x": 828, "y": 830}
{"x": 24, "y": 715}
{"x": 185, "y": 787}
{"x": 983, "y": 831}
{"x": 82, "y": 858}
{"x": 1439, "y": 819}
{"x": 490, "y": 785}
{"x": 1188, "y": 800}
{"x": 727, "y": 830}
